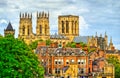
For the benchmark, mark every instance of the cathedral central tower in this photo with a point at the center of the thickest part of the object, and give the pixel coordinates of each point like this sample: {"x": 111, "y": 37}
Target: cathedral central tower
{"x": 68, "y": 25}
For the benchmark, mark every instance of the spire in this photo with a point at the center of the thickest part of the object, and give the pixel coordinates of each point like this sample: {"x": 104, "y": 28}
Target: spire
{"x": 37, "y": 14}
{"x": 100, "y": 35}
{"x": 96, "y": 34}
{"x": 43, "y": 14}
{"x": 9, "y": 27}
{"x": 48, "y": 14}
{"x": 111, "y": 44}
{"x": 111, "y": 40}
{"x": 105, "y": 34}
{"x": 20, "y": 14}
{"x": 26, "y": 15}
{"x": 23, "y": 15}
{"x": 31, "y": 15}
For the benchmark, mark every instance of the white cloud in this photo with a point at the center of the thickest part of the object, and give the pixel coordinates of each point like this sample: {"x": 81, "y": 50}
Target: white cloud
{"x": 3, "y": 21}
{"x": 117, "y": 46}
{"x": 82, "y": 23}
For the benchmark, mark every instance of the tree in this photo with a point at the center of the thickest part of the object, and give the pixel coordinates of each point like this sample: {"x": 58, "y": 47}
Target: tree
{"x": 17, "y": 60}
{"x": 34, "y": 44}
{"x": 73, "y": 45}
{"x": 48, "y": 42}
{"x": 115, "y": 61}
{"x": 68, "y": 44}
{"x": 82, "y": 44}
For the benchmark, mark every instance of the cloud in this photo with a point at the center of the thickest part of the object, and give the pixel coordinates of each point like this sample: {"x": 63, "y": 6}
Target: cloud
{"x": 3, "y": 21}
{"x": 94, "y": 15}
{"x": 82, "y": 23}
{"x": 117, "y": 46}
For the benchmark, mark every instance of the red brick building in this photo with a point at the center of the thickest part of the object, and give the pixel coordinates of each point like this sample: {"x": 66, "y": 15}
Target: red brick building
{"x": 57, "y": 60}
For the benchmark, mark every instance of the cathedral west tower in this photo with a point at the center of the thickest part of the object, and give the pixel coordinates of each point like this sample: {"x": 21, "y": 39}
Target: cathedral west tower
{"x": 25, "y": 28}
{"x": 42, "y": 28}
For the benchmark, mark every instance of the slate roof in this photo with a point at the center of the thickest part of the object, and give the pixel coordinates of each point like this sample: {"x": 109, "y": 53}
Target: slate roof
{"x": 81, "y": 39}
{"x": 9, "y": 27}
{"x": 65, "y": 68}
{"x": 56, "y": 36}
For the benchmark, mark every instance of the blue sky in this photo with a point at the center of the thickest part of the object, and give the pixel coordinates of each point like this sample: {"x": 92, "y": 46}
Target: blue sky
{"x": 94, "y": 15}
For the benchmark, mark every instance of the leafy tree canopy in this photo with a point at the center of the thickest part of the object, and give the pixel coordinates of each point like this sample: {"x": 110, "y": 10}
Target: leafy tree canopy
{"x": 17, "y": 60}
{"x": 34, "y": 44}
{"x": 48, "y": 42}
{"x": 115, "y": 61}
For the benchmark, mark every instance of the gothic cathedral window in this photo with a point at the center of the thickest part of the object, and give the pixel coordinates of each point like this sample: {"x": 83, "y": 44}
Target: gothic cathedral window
{"x": 45, "y": 29}
{"x": 62, "y": 27}
{"x": 67, "y": 27}
{"x": 28, "y": 30}
{"x": 75, "y": 27}
{"x": 72, "y": 26}
{"x": 23, "y": 30}
{"x": 40, "y": 29}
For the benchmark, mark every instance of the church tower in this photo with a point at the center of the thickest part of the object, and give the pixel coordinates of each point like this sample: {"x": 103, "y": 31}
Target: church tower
{"x": 9, "y": 30}
{"x": 25, "y": 28}
{"x": 68, "y": 25}
{"x": 42, "y": 28}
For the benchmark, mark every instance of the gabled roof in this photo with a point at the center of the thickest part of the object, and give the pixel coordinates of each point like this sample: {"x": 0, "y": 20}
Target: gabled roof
{"x": 9, "y": 27}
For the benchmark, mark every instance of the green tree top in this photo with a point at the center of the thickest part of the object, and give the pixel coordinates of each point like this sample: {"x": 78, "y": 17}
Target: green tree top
{"x": 116, "y": 62}
{"x": 17, "y": 60}
{"x": 34, "y": 44}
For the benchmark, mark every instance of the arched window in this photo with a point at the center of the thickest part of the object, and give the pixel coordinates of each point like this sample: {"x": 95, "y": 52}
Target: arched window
{"x": 45, "y": 29}
{"x": 40, "y": 29}
{"x": 23, "y": 30}
{"x": 28, "y": 30}
{"x": 67, "y": 27}
{"x": 72, "y": 26}
{"x": 62, "y": 27}
{"x": 75, "y": 27}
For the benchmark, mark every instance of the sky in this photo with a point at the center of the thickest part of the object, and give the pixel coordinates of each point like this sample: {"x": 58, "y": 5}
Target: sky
{"x": 94, "y": 15}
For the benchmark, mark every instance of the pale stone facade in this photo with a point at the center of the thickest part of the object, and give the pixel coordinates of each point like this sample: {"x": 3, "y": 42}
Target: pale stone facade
{"x": 42, "y": 28}
{"x": 68, "y": 28}
{"x": 100, "y": 42}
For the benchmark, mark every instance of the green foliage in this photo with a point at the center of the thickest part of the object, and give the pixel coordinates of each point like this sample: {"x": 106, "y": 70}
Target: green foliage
{"x": 82, "y": 44}
{"x": 115, "y": 61}
{"x": 34, "y": 44}
{"x": 1, "y": 36}
{"x": 48, "y": 42}
{"x": 17, "y": 60}
{"x": 73, "y": 45}
{"x": 68, "y": 44}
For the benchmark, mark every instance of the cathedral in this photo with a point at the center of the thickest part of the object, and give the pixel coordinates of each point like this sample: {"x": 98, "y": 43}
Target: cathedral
{"x": 68, "y": 31}
{"x": 100, "y": 42}
{"x": 68, "y": 28}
